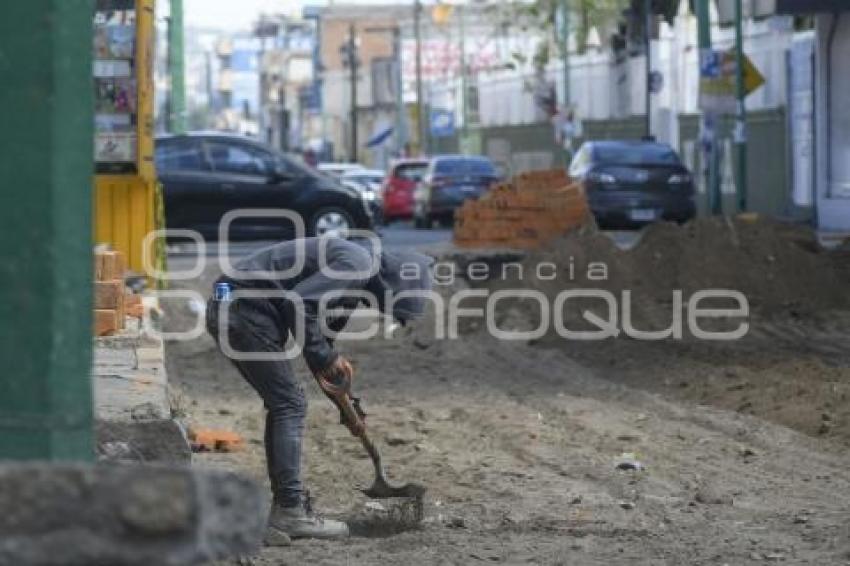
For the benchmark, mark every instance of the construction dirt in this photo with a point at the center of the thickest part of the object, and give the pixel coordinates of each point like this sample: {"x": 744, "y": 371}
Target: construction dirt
{"x": 554, "y": 451}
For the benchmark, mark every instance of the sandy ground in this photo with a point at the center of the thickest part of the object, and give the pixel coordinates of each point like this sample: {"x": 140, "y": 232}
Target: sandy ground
{"x": 744, "y": 446}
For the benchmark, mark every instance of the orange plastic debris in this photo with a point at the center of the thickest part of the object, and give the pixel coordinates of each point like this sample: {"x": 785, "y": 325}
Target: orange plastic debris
{"x": 214, "y": 440}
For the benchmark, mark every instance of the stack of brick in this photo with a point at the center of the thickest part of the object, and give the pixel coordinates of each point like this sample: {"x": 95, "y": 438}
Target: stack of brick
{"x": 526, "y": 212}
{"x": 112, "y": 302}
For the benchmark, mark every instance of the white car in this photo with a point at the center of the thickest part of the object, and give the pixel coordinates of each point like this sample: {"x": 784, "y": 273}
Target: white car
{"x": 372, "y": 179}
{"x": 369, "y": 182}
{"x": 339, "y": 169}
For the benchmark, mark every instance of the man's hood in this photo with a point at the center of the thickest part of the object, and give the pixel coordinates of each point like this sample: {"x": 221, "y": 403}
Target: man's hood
{"x": 406, "y": 277}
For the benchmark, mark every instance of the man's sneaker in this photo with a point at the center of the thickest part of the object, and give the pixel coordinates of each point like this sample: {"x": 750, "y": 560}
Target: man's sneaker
{"x": 276, "y": 537}
{"x": 300, "y": 522}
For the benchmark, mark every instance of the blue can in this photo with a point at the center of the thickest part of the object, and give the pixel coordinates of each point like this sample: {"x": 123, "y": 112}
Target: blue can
{"x": 223, "y": 292}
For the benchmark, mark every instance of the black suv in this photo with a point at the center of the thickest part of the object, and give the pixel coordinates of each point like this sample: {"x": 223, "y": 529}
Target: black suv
{"x": 206, "y": 175}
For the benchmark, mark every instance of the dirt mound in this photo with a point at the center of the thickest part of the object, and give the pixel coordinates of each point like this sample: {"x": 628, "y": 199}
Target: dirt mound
{"x": 778, "y": 267}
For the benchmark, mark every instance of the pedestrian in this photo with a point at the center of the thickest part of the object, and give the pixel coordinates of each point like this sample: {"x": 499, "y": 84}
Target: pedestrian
{"x": 396, "y": 280}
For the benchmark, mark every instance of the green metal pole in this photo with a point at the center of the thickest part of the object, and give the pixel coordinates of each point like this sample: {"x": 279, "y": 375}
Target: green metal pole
{"x": 565, "y": 55}
{"x": 421, "y": 123}
{"x": 741, "y": 117}
{"x": 709, "y": 120}
{"x": 46, "y": 169}
{"x": 352, "y": 66}
{"x": 177, "y": 69}
{"x": 647, "y": 44}
{"x": 565, "y": 49}
{"x": 464, "y": 102}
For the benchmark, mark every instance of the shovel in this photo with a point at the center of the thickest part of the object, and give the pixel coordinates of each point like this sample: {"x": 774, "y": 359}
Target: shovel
{"x": 353, "y": 417}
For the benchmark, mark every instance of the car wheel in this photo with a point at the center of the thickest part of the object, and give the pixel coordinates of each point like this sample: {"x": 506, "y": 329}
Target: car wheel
{"x": 423, "y": 222}
{"x": 331, "y": 221}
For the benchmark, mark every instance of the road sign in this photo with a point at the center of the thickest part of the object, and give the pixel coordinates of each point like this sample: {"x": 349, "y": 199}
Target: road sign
{"x": 442, "y": 123}
{"x": 717, "y": 81}
{"x": 753, "y": 79}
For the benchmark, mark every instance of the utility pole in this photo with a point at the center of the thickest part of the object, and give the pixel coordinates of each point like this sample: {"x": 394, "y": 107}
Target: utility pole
{"x": 351, "y": 53}
{"x": 401, "y": 122}
{"x": 647, "y": 8}
{"x": 262, "y": 95}
{"x": 284, "y": 117}
{"x": 420, "y": 102}
{"x": 741, "y": 116}
{"x": 176, "y": 70}
{"x": 708, "y": 126}
{"x": 208, "y": 86}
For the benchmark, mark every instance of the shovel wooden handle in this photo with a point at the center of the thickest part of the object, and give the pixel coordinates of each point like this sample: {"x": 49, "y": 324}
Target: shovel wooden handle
{"x": 340, "y": 396}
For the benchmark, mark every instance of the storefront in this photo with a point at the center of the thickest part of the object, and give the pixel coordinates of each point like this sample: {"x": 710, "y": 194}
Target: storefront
{"x": 123, "y": 138}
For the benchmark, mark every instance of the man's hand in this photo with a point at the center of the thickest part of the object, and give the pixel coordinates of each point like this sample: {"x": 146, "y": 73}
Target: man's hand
{"x": 335, "y": 382}
{"x": 344, "y": 367}
{"x": 339, "y": 374}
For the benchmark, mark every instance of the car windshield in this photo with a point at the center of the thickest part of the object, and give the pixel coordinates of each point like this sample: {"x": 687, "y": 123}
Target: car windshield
{"x": 465, "y": 167}
{"x": 411, "y": 171}
{"x": 635, "y": 154}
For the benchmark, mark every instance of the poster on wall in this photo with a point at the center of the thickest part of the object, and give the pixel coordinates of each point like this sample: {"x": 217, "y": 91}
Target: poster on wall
{"x": 115, "y": 147}
{"x": 115, "y": 87}
{"x": 115, "y": 96}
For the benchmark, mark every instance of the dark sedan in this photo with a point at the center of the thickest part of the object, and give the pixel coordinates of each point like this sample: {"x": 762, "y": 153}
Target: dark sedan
{"x": 449, "y": 181}
{"x": 631, "y": 183}
{"x": 206, "y": 175}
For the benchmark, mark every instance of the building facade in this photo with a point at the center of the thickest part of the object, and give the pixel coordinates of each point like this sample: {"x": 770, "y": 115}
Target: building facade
{"x": 830, "y": 109}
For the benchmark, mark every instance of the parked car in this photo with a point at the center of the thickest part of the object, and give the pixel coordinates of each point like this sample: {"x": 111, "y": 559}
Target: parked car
{"x": 449, "y": 181}
{"x": 339, "y": 169}
{"x": 206, "y": 175}
{"x": 631, "y": 183}
{"x": 368, "y": 183}
{"x": 399, "y": 185}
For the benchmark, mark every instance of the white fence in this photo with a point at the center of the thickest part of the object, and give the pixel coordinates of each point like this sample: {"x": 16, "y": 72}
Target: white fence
{"x": 602, "y": 88}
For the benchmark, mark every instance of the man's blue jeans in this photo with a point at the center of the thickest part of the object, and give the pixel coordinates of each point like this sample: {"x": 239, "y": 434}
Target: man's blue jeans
{"x": 252, "y": 327}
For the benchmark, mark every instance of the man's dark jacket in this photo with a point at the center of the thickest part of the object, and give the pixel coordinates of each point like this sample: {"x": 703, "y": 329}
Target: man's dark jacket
{"x": 349, "y": 266}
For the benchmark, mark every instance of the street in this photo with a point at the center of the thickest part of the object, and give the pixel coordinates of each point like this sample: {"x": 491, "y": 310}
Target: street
{"x": 571, "y": 452}
{"x": 399, "y": 235}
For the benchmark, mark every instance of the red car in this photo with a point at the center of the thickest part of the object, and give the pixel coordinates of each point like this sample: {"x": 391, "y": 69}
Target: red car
{"x": 399, "y": 185}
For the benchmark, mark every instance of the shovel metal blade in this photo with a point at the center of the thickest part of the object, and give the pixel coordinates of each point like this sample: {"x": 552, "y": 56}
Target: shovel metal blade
{"x": 381, "y": 489}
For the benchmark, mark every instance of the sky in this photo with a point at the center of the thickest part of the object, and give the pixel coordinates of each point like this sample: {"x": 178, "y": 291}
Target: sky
{"x": 241, "y": 14}
{"x": 232, "y": 14}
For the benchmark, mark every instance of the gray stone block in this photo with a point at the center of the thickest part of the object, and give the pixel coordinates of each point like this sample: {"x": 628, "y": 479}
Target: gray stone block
{"x": 146, "y": 441}
{"x": 116, "y": 515}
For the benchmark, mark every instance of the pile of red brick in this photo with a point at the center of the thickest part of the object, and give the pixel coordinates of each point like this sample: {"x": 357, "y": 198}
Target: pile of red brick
{"x": 112, "y": 301}
{"x": 526, "y": 212}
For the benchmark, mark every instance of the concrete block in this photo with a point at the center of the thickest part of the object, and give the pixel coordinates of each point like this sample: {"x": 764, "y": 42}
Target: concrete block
{"x": 125, "y": 515}
{"x": 130, "y": 381}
